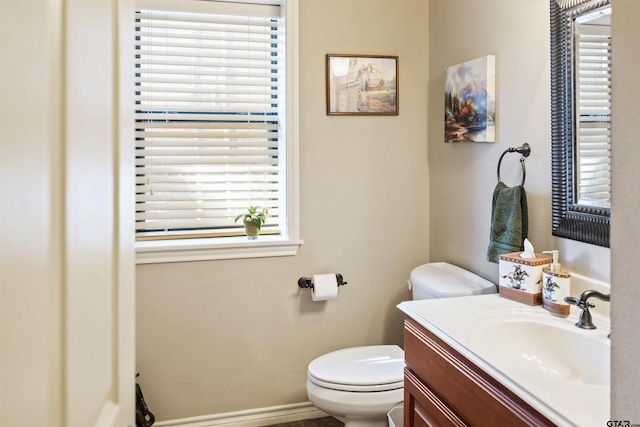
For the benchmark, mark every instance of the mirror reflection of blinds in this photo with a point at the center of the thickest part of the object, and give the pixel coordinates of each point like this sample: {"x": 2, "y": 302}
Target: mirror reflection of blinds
{"x": 593, "y": 115}
{"x": 207, "y": 118}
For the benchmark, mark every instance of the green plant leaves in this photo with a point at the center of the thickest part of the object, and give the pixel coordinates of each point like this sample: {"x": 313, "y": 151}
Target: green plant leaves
{"x": 253, "y": 216}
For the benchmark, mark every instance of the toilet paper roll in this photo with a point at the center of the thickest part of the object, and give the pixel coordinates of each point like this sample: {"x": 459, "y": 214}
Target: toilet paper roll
{"x": 325, "y": 287}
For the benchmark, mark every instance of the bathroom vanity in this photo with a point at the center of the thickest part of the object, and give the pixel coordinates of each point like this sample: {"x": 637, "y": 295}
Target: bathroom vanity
{"x": 436, "y": 374}
{"x": 485, "y": 360}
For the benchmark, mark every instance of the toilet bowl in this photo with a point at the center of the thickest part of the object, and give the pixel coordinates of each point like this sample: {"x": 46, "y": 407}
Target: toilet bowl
{"x": 359, "y": 385}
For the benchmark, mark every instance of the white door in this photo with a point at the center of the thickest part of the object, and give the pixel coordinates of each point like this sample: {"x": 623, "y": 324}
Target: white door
{"x": 66, "y": 215}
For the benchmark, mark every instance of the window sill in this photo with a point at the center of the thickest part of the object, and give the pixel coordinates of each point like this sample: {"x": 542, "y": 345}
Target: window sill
{"x": 155, "y": 252}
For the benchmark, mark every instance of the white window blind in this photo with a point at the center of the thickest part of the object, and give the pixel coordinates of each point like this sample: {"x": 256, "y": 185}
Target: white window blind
{"x": 208, "y": 117}
{"x": 593, "y": 115}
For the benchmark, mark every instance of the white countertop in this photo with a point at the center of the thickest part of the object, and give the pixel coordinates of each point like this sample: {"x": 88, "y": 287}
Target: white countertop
{"x": 564, "y": 399}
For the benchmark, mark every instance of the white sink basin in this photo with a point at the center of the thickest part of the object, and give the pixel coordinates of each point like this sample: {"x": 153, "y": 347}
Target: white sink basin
{"x": 560, "y": 370}
{"x": 533, "y": 340}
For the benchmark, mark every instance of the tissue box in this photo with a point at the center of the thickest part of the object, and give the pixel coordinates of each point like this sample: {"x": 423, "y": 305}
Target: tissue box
{"x": 521, "y": 278}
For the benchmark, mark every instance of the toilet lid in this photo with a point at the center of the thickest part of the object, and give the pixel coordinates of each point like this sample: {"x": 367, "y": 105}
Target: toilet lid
{"x": 371, "y": 368}
{"x": 444, "y": 280}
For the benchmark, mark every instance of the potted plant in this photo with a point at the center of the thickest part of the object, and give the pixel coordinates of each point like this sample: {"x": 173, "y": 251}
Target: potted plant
{"x": 253, "y": 221}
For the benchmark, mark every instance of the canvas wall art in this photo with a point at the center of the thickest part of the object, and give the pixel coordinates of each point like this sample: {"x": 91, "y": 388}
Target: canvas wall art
{"x": 469, "y": 101}
{"x": 362, "y": 85}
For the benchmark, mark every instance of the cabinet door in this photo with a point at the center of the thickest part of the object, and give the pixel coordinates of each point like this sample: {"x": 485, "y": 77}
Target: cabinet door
{"x": 467, "y": 390}
{"x": 423, "y": 408}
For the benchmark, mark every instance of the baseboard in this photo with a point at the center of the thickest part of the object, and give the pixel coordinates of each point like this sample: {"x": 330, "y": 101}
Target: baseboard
{"x": 250, "y": 418}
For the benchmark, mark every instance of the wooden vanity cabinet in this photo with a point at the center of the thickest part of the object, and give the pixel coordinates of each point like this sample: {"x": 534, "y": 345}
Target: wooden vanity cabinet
{"x": 443, "y": 388}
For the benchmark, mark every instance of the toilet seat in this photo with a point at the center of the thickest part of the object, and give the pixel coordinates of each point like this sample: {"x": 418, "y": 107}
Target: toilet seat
{"x": 356, "y": 388}
{"x": 360, "y": 369}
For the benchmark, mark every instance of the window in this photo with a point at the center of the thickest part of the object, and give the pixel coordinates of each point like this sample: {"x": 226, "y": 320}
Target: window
{"x": 593, "y": 113}
{"x": 215, "y": 128}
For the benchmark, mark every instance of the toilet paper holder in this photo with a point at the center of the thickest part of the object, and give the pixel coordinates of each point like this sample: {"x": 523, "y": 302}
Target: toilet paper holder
{"x": 305, "y": 282}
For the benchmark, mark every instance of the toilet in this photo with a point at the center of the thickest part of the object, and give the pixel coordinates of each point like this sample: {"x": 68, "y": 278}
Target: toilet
{"x": 359, "y": 385}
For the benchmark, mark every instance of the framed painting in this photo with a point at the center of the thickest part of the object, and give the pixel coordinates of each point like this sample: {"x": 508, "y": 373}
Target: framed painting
{"x": 469, "y": 101}
{"x": 362, "y": 85}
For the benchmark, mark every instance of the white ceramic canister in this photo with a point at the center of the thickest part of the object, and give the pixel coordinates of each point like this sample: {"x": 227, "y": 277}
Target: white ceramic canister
{"x": 556, "y": 285}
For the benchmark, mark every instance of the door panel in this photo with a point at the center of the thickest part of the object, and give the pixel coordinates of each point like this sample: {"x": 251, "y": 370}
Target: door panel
{"x": 67, "y": 258}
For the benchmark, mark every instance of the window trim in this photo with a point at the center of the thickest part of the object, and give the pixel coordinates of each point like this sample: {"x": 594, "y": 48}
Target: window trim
{"x": 220, "y": 248}
{"x": 184, "y": 250}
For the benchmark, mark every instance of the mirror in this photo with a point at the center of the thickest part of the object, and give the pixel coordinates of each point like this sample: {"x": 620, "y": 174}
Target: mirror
{"x": 581, "y": 119}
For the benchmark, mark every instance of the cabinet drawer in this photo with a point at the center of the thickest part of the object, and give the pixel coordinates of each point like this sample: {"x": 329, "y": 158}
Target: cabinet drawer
{"x": 471, "y": 393}
{"x": 423, "y": 408}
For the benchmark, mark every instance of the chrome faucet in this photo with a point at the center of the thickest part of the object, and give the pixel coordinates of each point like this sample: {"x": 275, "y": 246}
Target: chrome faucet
{"x": 585, "y": 321}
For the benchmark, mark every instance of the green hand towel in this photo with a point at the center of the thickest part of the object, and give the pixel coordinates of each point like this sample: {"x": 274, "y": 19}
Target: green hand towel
{"x": 509, "y": 221}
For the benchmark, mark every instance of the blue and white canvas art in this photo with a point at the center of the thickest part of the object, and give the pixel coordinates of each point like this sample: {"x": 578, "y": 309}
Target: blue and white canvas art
{"x": 469, "y": 101}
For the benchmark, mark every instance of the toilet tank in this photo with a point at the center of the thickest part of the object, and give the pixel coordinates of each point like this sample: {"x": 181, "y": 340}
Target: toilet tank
{"x": 444, "y": 280}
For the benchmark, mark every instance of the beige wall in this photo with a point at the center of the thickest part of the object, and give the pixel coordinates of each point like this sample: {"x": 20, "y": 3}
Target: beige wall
{"x": 625, "y": 227}
{"x": 463, "y": 176}
{"x": 223, "y": 336}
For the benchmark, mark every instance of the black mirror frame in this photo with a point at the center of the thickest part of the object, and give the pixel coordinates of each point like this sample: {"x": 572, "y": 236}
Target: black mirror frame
{"x": 578, "y": 222}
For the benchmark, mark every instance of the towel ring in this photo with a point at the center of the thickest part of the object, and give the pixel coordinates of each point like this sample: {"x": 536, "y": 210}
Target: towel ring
{"x": 525, "y": 150}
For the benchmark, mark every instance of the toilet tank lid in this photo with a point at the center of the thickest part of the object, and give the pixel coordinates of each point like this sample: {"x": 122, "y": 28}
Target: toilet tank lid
{"x": 378, "y": 364}
{"x": 442, "y": 280}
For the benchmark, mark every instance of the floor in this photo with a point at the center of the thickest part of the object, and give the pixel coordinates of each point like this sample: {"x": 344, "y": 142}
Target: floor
{"x": 317, "y": 422}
